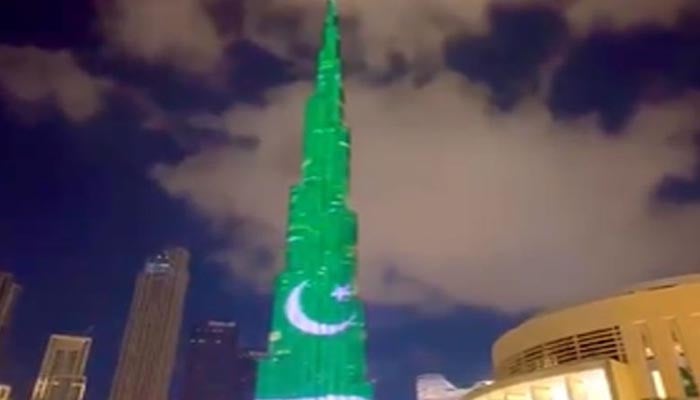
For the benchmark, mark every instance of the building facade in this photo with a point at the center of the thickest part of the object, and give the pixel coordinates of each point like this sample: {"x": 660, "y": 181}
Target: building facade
{"x": 149, "y": 345}
{"x": 5, "y": 392}
{"x": 212, "y": 367}
{"x": 62, "y": 373}
{"x": 643, "y": 343}
{"x": 9, "y": 293}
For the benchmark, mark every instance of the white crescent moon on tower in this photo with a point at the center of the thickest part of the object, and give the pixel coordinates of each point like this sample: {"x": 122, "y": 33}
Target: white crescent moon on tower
{"x": 297, "y": 317}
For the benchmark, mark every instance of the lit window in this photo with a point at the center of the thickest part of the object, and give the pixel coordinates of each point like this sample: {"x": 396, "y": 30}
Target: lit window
{"x": 686, "y": 374}
{"x": 659, "y": 387}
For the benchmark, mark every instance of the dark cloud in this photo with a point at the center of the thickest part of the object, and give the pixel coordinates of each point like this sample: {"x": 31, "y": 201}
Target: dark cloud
{"x": 49, "y": 24}
{"x": 609, "y": 74}
{"x": 509, "y": 58}
{"x": 680, "y": 190}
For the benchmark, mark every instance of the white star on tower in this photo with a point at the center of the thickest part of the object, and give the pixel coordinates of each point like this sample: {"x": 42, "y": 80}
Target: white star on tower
{"x": 342, "y": 293}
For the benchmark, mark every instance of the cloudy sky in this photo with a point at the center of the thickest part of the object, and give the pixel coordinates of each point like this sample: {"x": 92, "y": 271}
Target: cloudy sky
{"x": 509, "y": 156}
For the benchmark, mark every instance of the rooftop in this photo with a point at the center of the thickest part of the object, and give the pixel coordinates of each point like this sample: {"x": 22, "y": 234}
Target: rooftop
{"x": 657, "y": 284}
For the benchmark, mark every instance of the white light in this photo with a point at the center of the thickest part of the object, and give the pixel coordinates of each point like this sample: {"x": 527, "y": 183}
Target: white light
{"x": 658, "y": 384}
{"x": 298, "y": 318}
{"x": 593, "y": 383}
{"x": 559, "y": 391}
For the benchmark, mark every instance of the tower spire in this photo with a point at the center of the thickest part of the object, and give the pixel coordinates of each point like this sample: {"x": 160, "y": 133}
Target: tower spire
{"x": 330, "y": 43}
{"x": 329, "y": 68}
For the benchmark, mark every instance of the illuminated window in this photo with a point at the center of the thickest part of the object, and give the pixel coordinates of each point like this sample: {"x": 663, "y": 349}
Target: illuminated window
{"x": 687, "y": 377}
{"x": 658, "y": 382}
{"x": 541, "y": 393}
{"x": 652, "y": 365}
{"x": 577, "y": 389}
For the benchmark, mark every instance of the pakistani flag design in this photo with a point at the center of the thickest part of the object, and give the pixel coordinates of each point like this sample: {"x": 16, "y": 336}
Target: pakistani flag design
{"x": 316, "y": 346}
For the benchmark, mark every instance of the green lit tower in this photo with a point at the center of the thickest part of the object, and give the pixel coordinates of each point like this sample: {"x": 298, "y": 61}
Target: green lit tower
{"x": 317, "y": 341}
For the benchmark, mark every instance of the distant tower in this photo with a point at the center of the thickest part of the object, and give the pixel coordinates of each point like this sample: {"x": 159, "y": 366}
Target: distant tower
{"x": 247, "y": 373}
{"x": 62, "y": 374}
{"x": 212, "y": 370}
{"x": 149, "y": 345}
{"x": 316, "y": 344}
{"x": 5, "y": 392}
{"x": 9, "y": 292}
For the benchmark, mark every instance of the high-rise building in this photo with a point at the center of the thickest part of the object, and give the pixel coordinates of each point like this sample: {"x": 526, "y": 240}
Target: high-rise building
{"x": 316, "y": 347}
{"x": 9, "y": 292}
{"x": 247, "y": 373}
{"x": 62, "y": 373}
{"x": 640, "y": 343}
{"x": 150, "y": 340}
{"x": 212, "y": 369}
{"x": 5, "y": 392}
{"x": 217, "y": 368}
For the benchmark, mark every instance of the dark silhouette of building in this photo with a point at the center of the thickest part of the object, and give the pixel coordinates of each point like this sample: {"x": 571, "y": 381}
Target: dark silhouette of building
{"x": 217, "y": 368}
{"x": 248, "y": 360}
{"x": 212, "y": 362}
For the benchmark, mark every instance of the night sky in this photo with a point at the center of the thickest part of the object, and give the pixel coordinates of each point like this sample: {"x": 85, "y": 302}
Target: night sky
{"x": 87, "y": 111}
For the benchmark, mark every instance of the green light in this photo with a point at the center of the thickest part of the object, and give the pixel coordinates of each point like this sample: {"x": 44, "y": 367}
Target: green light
{"x": 317, "y": 341}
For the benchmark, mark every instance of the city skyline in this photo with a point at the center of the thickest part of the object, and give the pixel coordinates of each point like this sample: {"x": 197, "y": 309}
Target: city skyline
{"x": 61, "y": 375}
{"x": 507, "y": 158}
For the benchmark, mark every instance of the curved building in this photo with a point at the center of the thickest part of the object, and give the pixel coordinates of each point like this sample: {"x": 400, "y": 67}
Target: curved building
{"x": 642, "y": 343}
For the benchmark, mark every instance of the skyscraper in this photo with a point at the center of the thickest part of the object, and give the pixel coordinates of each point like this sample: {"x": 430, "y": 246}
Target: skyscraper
{"x": 5, "y": 392}
{"x": 317, "y": 341}
{"x": 212, "y": 371}
{"x": 247, "y": 373}
{"x": 9, "y": 292}
{"x": 150, "y": 340}
{"x": 62, "y": 373}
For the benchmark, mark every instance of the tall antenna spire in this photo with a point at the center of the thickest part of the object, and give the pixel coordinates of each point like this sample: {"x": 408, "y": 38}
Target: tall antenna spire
{"x": 329, "y": 55}
{"x": 329, "y": 73}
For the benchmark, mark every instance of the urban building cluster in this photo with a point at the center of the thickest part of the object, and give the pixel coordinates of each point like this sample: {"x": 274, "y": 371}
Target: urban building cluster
{"x": 316, "y": 346}
{"x": 216, "y": 366}
{"x": 639, "y": 344}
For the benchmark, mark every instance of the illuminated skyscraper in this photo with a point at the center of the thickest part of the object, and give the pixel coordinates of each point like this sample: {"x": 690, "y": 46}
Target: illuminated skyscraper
{"x": 150, "y": 340}
{"x": 212, "y": 370}
{"x": 9, "y": 292}
{"x": 317, "y": 342}
{"x": 62, "y": 374}
{"x": 5, "y": 392}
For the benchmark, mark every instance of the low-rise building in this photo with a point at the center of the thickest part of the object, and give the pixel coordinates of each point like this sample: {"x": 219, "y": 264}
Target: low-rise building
{"x": 641, "y": 343}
